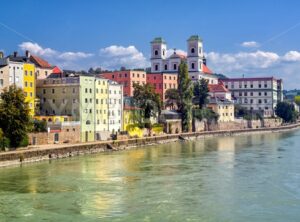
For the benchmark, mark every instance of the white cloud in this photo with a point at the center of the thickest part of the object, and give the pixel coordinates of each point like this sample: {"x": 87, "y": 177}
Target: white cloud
{"x": 178, "y": 51}
{"x": 259, "y": 63}
{"x": 74, "y": 55}
{"x": 292, "y": 56}
{"x": 250, "y": 44}
{"x": 36, "y": 49}
{"x": 113, "y": 57}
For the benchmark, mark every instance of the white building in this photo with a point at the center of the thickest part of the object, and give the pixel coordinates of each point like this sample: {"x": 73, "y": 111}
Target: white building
{"x": 256, "y": 94}
{"x": 195, "y": 59}
{"x": 115, "y": 106}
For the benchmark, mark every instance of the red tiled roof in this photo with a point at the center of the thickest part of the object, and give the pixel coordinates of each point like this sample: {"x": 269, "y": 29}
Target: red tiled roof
{"x": 206, "y": 70}
{"x": 56, "y": 70}
{"x": 40, "y": 62}
{"x": 126, "y": 107}
{"x": 217, "y": 88}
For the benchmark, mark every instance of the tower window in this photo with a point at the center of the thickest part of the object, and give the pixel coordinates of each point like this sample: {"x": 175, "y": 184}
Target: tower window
{"x": 156, "y": 52}
{"x": 192, "y": 50}
{"x": 163, "y": 52}
{"x": 193, "y": 65}
{"x": 156, "y": 67}
{"x": 166, "y": 67}
{"x": 175, "y": 66}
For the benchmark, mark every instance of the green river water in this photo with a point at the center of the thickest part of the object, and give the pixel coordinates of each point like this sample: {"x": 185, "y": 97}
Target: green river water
{"x": 241, "y": 178}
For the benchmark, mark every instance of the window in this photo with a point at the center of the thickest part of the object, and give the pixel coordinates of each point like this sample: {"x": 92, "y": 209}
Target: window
{"x": 266, "y": 93}
{"x": 156, "y": 52}
{"x": 166, "y": 67}
{"x": 74, "y": 90}
{"x": 53, "y": 91}
{"x": 259, "y": 101}
{"x": 193, "y": 65}
{"x": 192, "y": 50}
{"x": 175, "y": 66}
{"x": 259, "y": 93}
{"x": 251, "y": 94}
{"x": 113, "y": 76}
{"x": 156, "y": 67}
{"x": 25, "y": 84}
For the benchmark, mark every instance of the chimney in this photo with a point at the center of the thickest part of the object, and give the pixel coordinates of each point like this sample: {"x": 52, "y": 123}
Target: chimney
{"x": 27, "y": 54}
{"x": 15, "y": 54}
{"x": 1, "y": 55}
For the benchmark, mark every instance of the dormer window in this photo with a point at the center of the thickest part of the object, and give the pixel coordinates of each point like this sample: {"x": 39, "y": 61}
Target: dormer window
{"x": 156, "y": 52}
{"x": 192, "y": 50}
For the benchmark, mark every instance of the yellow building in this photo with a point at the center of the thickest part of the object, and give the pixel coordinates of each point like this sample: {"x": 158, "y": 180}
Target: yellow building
{"x": 224, "y": 108}
{"x": 29, "y": 85}
{"x": 54, "y": 118}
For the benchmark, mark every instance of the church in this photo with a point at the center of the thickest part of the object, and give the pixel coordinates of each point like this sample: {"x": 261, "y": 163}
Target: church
{"x": 195, "y": 59}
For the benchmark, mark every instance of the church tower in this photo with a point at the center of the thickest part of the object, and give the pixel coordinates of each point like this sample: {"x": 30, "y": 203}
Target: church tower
{"x": 195, "y": 54}
{"x": 158, "y": 54}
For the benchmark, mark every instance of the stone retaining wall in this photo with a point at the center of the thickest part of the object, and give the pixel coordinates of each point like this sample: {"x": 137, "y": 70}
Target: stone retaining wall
{"x": 69, "y": 150}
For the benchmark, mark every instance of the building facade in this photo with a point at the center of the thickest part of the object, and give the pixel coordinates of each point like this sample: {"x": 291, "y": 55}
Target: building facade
{"x": 42, "y": 68}
{"x": 126, "y": 78}
{"x": 257, "y": 94}
{"x": 162, "y": 82}
{"x": 115, "y": 107}
{"x": 84, "y": 99}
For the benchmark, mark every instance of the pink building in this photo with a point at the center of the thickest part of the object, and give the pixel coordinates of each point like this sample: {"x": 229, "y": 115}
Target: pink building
{"x": 126, "y": 78}
{"x": 162, "y": 82}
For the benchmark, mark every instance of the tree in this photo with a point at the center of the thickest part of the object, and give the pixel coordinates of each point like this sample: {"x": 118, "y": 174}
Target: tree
{"x": 39, "y": 126}
{"x": 172, "y": 98}
{"x": 185, "y": 91}
{"x": 149, "y": 101}
{"x": 201, "y": 92}
{"x": 297, "y": 100}
{"x": 286, "y": 111}
{"x": 14, "y": 116}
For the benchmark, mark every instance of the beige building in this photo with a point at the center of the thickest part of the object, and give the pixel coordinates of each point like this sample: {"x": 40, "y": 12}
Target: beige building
{"x": 224, "y": 108}
{"x": 4, "y": 69}
{"x": 42, "y": 68}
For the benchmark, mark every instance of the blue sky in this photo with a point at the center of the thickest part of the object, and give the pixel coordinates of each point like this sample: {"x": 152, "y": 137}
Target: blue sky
{"x": 240, "y": 37}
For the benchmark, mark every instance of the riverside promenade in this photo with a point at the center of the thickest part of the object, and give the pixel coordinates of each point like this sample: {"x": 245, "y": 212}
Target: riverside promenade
{"x": 57, "y": 151}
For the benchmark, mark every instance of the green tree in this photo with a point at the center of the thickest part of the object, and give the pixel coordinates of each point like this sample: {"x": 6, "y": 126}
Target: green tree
{"x": 15, "y": 120}
{"x": 201, "y": 92}
{"x": 297, "y": 100}
{"x": 172, "y": 98}
{"x": 39, "y": 126}
{"x": 185, "y": 91}
{"x": 286, "y": 111}
{"x": 4, "y": 142}
{"x": 149, "y": 101}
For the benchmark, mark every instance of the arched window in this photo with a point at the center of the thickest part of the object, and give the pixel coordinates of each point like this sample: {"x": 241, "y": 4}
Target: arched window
{"x": 175, "y": 66}
{"x": 166, "y": 67}
{"x": 163, "y": 52}
{"x": 156, "y": 52}
{"x": 156, "y": 67}
{"x": 192, "y": 50}
{"x": 193, "y": 65}
{"x": 88, "y": 122}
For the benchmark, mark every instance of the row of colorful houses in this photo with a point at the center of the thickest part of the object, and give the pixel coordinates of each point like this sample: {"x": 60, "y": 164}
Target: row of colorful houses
{"x": 97, "y": 103}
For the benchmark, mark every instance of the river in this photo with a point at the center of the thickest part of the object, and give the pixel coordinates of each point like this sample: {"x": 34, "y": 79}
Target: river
{"x": 240, "y": 178}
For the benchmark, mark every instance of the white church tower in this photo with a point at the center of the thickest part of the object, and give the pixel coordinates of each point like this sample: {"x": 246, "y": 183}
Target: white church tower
{"x": 195, "y": 54}
{"x": 158, "y": 55}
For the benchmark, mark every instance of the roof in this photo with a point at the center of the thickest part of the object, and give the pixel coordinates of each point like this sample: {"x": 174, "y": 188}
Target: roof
{"x": 56, "y": 70}
{"x": 214, "y": 88}
{"x": 158, "y": 40}
{"x": 206, "y": 70}
{"x": 248, "y": 79}
{"x": 18, "y": 58}
{"x": 195, "y": 38}
{"x": 177, "y": 55}
{"x": 216, "y": 100}
{"x": 127, "y": 107}
{"x": 3, "y": 62}
{"x": 40, "y": 62}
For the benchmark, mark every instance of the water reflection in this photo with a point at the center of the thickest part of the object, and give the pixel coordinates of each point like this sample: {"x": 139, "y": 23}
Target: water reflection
{"x": 213, "y": 179}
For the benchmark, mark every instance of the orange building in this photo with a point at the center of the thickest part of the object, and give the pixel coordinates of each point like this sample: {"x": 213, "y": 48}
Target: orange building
{"x": 162, "y": 82}
{"x": 126, "y": 78}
